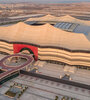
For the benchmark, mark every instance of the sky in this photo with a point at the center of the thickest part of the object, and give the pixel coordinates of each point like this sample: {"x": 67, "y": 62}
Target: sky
{"x": 43, "y": 1}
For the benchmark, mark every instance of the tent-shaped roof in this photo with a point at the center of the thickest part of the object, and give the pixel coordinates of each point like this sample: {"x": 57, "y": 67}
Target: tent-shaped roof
{"x": 44, "y": 18}
{"x": 44, "y": 35}
{"x": 66, "y": 18}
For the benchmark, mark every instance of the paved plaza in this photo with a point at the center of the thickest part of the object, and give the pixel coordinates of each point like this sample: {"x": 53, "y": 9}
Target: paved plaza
{"x": 56, "y": 70}
{"x": 40, "y": 89}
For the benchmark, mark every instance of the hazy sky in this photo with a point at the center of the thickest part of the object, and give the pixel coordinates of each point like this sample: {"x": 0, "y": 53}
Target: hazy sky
{"x": 43, "y": 1}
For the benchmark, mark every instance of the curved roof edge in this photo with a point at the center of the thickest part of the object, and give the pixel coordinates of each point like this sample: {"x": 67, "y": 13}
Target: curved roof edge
{"x": 66, "y": 18}
{"x": 54, "y": 47}
{"x": 50, "y": 36}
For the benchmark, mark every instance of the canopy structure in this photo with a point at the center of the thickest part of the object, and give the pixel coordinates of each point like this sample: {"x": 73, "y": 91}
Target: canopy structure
{"x": 69, "y": 18}
{"x": 44, "y": 35}
{"x": 66, "y": 18}
{"x": 44, "y": 18}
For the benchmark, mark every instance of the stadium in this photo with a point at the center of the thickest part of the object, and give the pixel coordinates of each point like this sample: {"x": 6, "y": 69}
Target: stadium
{"x": 45, "y": 58}
{"x": 46, "y": 40}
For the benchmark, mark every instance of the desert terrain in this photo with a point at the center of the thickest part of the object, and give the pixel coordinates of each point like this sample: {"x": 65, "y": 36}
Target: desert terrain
{"x": 78, "y": 10}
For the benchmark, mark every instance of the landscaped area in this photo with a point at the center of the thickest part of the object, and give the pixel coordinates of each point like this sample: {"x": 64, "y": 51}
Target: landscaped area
{"x": 16, "y": 90}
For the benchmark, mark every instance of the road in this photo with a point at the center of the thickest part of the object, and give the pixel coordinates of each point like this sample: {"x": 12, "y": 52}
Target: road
{"x": 14, "y": 69}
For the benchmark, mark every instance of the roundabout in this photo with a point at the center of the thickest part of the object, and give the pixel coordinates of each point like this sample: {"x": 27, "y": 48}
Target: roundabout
{"x": 13, "y": 64}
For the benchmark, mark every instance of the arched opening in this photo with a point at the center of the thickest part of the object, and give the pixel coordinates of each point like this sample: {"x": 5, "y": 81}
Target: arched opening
{"x": 27, "y": 51}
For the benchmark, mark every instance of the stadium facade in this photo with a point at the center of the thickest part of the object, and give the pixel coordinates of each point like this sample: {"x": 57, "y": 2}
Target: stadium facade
{"x": 47, "y": 42}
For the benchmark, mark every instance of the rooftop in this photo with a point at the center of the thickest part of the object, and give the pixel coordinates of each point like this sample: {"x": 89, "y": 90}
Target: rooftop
{"x": 51, "y": 36}
{"x": 66, "y": 23}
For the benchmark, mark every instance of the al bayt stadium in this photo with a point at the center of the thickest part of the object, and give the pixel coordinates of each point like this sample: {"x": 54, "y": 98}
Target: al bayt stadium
{"x": 46, "y": 40}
